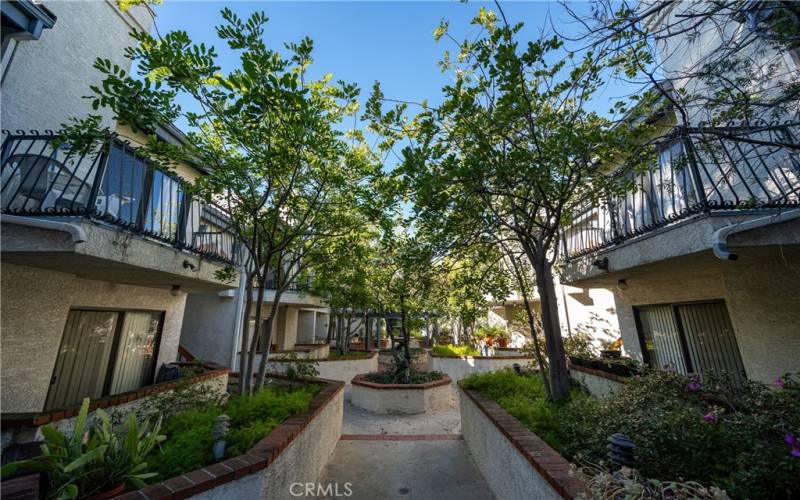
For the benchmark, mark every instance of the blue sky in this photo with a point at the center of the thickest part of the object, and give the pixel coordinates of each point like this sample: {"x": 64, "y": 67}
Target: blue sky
{"x": 362, "y": 42}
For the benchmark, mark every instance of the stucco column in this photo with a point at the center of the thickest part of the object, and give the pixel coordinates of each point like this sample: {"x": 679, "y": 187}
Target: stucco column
{"x": 290, "y": 329}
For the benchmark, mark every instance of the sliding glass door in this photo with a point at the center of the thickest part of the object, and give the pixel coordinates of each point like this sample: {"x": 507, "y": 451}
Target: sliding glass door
{"x": 690, "y": 338}
{"x": 104, "y": 353}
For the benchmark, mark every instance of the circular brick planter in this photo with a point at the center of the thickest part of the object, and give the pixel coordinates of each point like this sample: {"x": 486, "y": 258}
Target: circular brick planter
{"x": 404, "y": 399}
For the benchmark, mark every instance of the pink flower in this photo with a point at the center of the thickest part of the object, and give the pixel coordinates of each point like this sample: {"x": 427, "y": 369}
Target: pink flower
{"x": 780, "y": 382}
{"x": 693, "y": 386}
{"x": 710, "y": 417}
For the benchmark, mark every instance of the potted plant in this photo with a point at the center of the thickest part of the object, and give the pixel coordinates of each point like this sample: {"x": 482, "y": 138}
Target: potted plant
{"x": 612, "y": 349}
{"x": 503, "y": 336}
{"x": 97, "y": 463}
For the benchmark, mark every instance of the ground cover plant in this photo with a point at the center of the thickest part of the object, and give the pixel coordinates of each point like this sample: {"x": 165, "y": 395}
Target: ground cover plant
{"x": 189, "y": 441}
{"x": 455, "y": 351}
{"x": 740, "y": 438}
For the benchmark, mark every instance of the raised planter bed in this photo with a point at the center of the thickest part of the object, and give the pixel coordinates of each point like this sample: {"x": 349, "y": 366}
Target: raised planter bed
{"x": 515, "y": 462}
{"x": 458, "y": 368}
{"x": 610, "y": 366}
{"x": 343, "y": 368}
{"x": 294, "y": 452}
{"x": 25, "y": 428}
{"x": 406, "y": 399}
{"x": 598, "y": 382}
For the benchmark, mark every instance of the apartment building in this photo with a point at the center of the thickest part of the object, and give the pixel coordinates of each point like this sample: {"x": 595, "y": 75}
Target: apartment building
{"x": 703, "y": 255}
{"x": 99, "y": 250}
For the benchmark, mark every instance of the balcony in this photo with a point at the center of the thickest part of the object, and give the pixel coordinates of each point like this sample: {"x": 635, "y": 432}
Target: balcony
{"x": 694, "y": 176}
{"x": 140, "y": 224}
{"x": 113, "y": 186}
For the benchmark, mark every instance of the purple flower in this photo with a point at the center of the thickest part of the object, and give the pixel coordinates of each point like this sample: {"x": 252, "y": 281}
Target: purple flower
{"x": 792, "y": 441}
{"x": 710, "y": 417}
{"x": 780, "y": 382}
{"x": 693, "y": 386}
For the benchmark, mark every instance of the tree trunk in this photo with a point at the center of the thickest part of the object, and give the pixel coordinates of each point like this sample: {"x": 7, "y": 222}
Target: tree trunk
{"x": 262, "y": 368}
{"x": 404, "y": 331}
{"x": 559, "y": 377}
{"x": 537, "y": 349}
{"x": 251, "y": 355}
{"x": 245, "y": 342}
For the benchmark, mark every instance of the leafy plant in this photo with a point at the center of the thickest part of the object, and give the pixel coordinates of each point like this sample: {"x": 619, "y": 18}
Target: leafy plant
{"x": 455, "y": 351}
{"x": 190, "y": 444}
{"x": 300, "y": 369}
{"x": 579, "y": 345}
{"x": 93, "y": 460}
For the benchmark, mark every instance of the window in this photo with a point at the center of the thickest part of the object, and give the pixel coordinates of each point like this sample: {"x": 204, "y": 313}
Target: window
{"x": 104, "y": 353}
{"x": 689, "y": 338}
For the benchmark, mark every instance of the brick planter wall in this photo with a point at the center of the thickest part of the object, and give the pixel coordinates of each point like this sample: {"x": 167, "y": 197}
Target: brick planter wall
{"x": 405, "y": 399}
{"x": 20, "y": 429}
{"x": 515, "y": 462}
{"x": 294, "y": 452}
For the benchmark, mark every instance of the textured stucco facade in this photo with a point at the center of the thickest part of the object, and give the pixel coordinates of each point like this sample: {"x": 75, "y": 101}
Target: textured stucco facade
{"x": 508, "y": 473}
{"x": 761, "y": 289}
{"x": 35, "y": 304}
{"x": 44, "y": 84}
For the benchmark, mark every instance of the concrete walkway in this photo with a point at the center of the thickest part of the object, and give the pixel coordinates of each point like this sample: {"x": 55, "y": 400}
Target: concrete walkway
{"x": 419, "y": 457}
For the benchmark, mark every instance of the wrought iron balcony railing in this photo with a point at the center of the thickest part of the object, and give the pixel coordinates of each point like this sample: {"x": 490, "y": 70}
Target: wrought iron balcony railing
{"x": 113, "y": 185}
{"x": 695, "y": 174}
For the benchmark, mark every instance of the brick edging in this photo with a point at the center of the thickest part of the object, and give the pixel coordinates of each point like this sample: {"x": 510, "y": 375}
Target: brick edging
{"x": 360, "y": 380}
{"x": 258, "y": 458}
{"x": 444, "y": 356}
{"x": 14, "y": 421}
{"x": 600, "y": 373}
{"x": 554, "y": 468}
{"x": 371, "y": 355}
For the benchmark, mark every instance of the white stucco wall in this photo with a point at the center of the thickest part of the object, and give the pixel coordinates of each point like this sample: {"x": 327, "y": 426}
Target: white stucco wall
{"x": 508, "y": 474}
{"x": 301, "y": 462}
{"x": 45, "y": 82}
{"x": 35, "y": 304}
{"x": 401, "y": 401}
{"x": 335, "y": 369}
{"x": 761, "y": 296}
{"x": 208, "y": 326}
{"x": 459, "y": 368}
{"x": 596, "y": 385}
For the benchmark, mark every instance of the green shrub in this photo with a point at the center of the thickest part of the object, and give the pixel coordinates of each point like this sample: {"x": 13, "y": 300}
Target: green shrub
{"x": 189, "y": 442}
{"x": 455, "y": 351}
{"x": 715, "y": 432}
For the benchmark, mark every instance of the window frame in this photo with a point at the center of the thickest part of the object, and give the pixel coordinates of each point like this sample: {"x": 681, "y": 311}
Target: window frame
{"x": 687, "y": 358}
{"x": 108, "y": 376}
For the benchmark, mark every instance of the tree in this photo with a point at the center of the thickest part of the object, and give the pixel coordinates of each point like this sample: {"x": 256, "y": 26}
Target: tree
{"x": 512, "y": 150}
{"x": 277, "y": 163}
{"x": 727, "y": 69}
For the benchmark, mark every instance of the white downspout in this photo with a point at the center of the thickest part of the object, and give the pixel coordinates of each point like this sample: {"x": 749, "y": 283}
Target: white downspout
{"x": 76, "y": 232}
{"x": 719, "y": 240}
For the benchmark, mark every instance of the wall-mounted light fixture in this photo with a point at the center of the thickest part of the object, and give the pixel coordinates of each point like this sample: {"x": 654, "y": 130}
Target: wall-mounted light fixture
{"x": 601, "y": 263}
{"x": 189, "y": 265}
{"x": 175, "y": 290}
{"x": 622, "y": 284}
